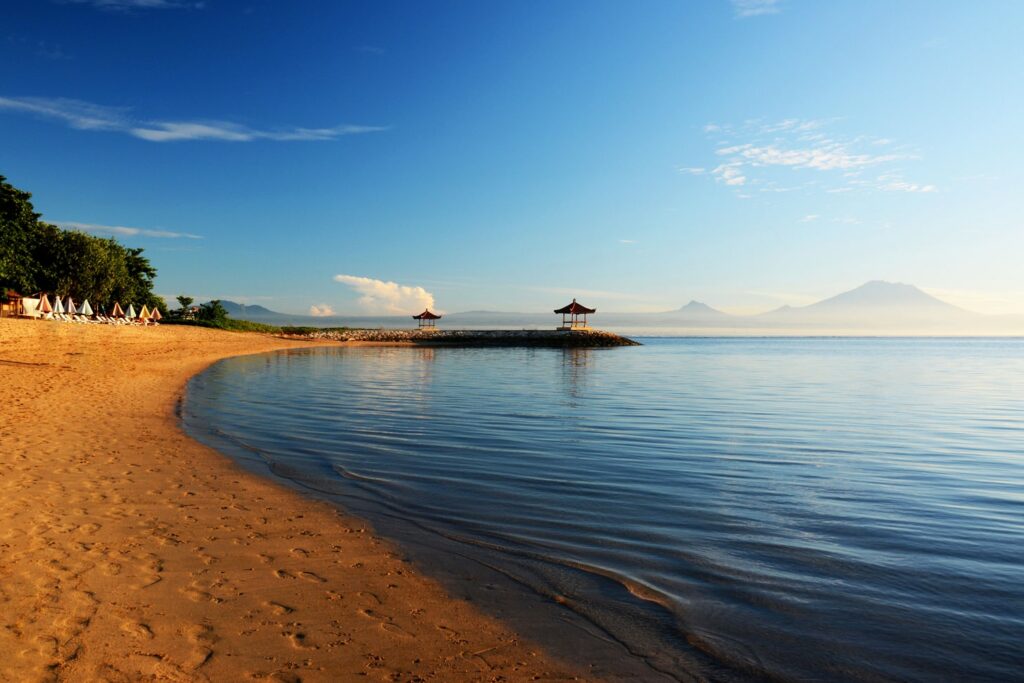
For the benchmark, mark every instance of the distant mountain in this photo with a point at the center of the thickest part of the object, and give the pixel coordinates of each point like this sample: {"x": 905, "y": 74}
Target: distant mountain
{"x": 879, "y": 294}
{"x": 698, "y": 309}
{"x": 236, "y": 310}
{"x": 876, "y": 307}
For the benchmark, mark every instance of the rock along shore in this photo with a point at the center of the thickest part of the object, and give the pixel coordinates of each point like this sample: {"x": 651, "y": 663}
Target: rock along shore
{"x": 552, "y": 338}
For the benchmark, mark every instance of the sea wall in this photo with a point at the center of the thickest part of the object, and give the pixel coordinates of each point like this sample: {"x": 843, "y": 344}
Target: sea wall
{"x": 553, "y": 338}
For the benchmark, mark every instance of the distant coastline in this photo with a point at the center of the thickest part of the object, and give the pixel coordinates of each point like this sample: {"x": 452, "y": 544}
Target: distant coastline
{"x": 874, "y": 309}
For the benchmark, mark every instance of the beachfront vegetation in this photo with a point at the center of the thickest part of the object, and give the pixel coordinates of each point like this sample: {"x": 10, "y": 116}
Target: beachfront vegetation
{"x": 36, "y": 256}
{"x": 213, "y": 311}
{"x": 227, "y": 324}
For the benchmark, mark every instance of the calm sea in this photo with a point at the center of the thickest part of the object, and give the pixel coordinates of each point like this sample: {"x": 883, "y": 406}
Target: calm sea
{"x": 723, "y": 509}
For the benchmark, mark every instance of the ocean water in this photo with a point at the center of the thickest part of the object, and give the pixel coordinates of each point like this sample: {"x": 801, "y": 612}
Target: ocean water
{"x": 715, "y": 509}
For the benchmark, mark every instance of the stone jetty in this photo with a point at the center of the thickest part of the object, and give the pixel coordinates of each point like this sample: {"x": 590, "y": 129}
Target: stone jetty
{"x": 551, "y": 338}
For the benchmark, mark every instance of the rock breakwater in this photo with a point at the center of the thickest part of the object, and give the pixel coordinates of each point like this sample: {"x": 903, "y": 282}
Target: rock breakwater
{"x": 552, "y": 338}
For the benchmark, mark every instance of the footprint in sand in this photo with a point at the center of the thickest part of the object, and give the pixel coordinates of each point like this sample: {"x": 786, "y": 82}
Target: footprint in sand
{"x": 299, "y": 640}
{"x": 279, "y": 609}
{"x": 386, "y": 624}
{"x": 137, "y": 629}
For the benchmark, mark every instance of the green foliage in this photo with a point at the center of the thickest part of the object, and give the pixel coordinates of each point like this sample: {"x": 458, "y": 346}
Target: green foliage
{"x": 36, "y": 256}
{"x": 19, "y": 230}
{"x": 184, "y": 302}
{"x": 212, "y": 311}
{"x": 229, "y": 324}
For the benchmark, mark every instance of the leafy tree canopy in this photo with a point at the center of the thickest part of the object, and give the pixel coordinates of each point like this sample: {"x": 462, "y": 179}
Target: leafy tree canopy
{"x": 36, "y": 256}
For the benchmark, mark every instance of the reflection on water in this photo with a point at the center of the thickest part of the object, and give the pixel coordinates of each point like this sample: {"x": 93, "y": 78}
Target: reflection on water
{"x": 801, "y": 509}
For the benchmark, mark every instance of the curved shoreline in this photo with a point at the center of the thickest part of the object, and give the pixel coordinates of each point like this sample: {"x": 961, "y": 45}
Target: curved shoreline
{"x": 488, "y": 576}
{"x": 129, "y": 550}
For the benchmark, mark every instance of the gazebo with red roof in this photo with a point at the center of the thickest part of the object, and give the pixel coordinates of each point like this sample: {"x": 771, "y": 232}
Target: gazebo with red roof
{"x": 427, "y": 320}
{"x": 574, "y": 317}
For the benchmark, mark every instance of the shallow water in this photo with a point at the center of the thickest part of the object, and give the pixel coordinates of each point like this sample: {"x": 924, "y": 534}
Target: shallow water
{"x": 842, "y": 509}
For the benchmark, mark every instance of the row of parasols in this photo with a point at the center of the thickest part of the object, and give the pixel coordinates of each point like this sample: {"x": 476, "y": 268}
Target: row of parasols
{"x": 65, "y": 309}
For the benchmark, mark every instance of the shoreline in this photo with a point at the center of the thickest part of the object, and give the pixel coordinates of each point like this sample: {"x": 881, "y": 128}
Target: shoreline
{"x": 130, "y": 550}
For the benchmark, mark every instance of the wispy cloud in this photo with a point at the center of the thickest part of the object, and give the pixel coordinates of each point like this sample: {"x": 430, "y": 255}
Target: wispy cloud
{"x": 75, "y": 113}
{"x": 627, "y": 241}
{"x": 692, "y": 170}
{"x": 128, "y": 5}
{"x": 744, "y": 9}
{"x": 88, "y": 116}
{"x": 894, "y": 182}
{"x": 167, "y": 131}
{"x": 787, "y": 155}
{"x": 380, "y": 296}
{"x": 124, "y": 231}
{"x": 809, "y": 218}
{"x": 321, "y": 310}
{"x": 730, "y": 174}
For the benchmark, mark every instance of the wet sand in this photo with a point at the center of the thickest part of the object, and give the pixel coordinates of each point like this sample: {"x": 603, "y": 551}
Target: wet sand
{"x": 130, "y": 552}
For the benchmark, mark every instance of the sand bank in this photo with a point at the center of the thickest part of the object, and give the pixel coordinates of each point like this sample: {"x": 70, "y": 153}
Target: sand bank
{"x": 130, "y": 552}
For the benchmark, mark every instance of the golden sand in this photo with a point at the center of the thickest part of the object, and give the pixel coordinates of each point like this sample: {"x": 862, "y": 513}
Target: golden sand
{"x": 130, "y": 552}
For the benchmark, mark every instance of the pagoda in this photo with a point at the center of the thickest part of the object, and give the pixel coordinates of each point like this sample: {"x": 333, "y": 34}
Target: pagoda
{"x": 574, "y": 317}
{"x": 426, "y": 321}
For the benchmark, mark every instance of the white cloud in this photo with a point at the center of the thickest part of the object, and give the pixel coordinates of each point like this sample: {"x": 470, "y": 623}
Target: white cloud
{"x": 893, "y": 182}
{"x": 87, "y": 116}
{"x": 124, "y": 231}
{"x": 379, "y": 296}
{"x": 730, "y": 174}
{"x": 755, "y": 8}
{"x": 825, "y": 157}
{"x": 77, "y": 114}
{"x": 761, "y": 154}
{"x": 321, "y": 310}
{"x": 627, "y": 241}
{"x": 167, "y": 131}
{"x": 136, "y": 4}
{"x": 692, "y": 170}
{"x": 809, "y": 218}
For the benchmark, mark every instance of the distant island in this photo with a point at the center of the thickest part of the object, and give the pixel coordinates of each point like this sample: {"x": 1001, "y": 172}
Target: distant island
{"x": 874, "y": 308}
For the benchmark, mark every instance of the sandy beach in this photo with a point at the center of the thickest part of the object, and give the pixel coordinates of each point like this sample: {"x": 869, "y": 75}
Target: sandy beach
{"x": 130, "y": 552}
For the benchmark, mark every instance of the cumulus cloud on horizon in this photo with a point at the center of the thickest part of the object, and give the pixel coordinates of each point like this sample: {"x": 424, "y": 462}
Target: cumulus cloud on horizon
{"x": 380, "y": 296}
{"x": 321, "y": 310}
{"x": 83, "y": 115}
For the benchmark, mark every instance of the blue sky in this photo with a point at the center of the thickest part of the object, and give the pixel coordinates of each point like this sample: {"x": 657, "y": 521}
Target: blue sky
{"x": 375, "y": 156}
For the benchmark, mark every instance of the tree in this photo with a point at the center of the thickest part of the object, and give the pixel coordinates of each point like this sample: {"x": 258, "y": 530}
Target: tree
{"x": 19, "y": 227}
{"x": 184, "y": 302}
{"x": 36, "y": 256}
{"x": 213, "y": 311}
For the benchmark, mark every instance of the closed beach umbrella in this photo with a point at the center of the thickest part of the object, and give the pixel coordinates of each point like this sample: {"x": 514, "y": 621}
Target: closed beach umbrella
{"x": 71, "y": 307}
{"x": 156, "y": 314}
{"x": 58, "y": 306}
{"x": 130, "y": 314}
{"x": 86, "y": 309}
{"x": 44, "y": 304}
{"x": 117, "y": 311}
{"x": 144, "y": 313}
